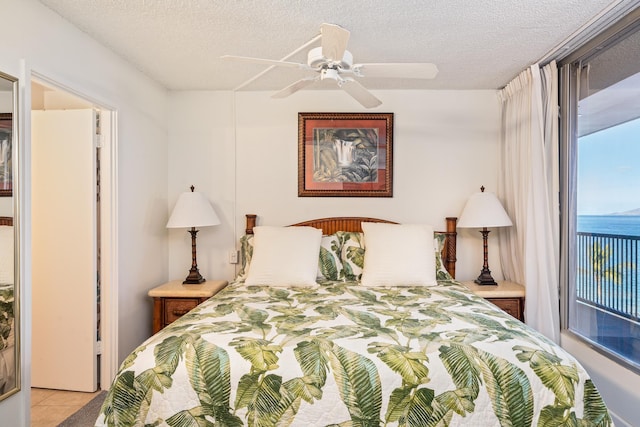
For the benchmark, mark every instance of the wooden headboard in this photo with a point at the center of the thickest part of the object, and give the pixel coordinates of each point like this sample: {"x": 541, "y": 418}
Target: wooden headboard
{"x": 6, "y": 220}
{"x": 343, "y": 223}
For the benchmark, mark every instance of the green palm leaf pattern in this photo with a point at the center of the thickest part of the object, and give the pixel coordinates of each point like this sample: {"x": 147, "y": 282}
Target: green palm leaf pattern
{"x": 558, "y": 416}
{"x": 509, "y": 389}
{"x": 460, "y": 401}
{"x": 191, "y": 418}
{"x": 358, "y": 384}
{"x": 327, "y": 264}
{"x": 246, "y": 390}
{"x": 352, "y": 254}
{"x": 356, "y": 256}
{"x": 7, "y": 315}
{"x": 313, "y": 362}
{"x": 561, "y": 379}
{"x": 305, "y": 388}
{"x": 210, "y": 377}
{"x": 265, "y": 402}
{"x": 405, "y": 356}
{"x": 419, "y": 409}
{"x": 129, "y": 402}
{"x": 595, "y": 411}
{"x": 261, "y": 353}
{"x": 411, "y": 365}
{"x": 363, "y": 295}
{"x": 399, "y": 401}
{"x": 461, "y": 363}
{"x": 123, "y": 404}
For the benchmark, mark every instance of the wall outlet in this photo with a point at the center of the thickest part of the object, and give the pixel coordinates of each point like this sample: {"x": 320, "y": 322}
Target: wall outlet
{"x": 233, "y": 257}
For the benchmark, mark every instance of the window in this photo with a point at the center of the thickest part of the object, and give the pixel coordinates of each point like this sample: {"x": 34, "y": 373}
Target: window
{"x": 601, "y": 193}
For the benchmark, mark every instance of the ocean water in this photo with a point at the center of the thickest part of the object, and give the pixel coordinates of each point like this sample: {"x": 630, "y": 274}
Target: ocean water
{"x": 624, "y": 225}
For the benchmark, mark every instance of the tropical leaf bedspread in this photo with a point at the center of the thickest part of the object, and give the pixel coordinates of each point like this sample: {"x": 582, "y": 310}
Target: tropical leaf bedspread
{"x": 340, "y": 354}
{"x": 7, "y": 339}
{"x": 6, "y": 314}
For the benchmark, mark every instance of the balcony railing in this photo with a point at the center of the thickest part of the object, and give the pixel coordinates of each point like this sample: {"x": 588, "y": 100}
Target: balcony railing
{"x": 607, "y": 274}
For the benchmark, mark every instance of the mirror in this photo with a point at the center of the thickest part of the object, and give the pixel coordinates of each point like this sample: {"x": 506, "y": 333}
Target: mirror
{"x": 9, "y": 306}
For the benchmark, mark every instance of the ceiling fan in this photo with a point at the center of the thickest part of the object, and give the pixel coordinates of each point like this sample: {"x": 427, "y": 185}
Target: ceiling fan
{"x": 333, "y": 61}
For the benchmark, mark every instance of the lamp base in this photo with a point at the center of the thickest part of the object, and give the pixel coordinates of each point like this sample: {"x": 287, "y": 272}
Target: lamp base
{"x": 485, "y": 278}
{"x": 194, "y": 277}
{"x": 485, "y": 274}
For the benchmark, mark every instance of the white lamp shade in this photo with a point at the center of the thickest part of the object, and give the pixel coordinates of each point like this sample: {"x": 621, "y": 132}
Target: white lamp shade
{"x": 192, "y": 210}
{"x": 483, "y": 210}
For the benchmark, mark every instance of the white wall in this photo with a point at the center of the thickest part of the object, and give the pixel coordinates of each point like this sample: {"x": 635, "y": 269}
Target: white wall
{"x": 36, "y": 39}
{"x": 6, "y": 206}
{"x": 243, "y": 147}
{"x": 6, "y": 101}
{"x": 202, "y": 153}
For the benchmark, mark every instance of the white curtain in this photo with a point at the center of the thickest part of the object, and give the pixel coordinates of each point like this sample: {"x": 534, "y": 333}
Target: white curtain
{"x": 528, "y": 187}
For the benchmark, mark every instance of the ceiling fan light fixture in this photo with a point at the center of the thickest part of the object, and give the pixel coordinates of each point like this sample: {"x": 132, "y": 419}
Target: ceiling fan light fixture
{"x": 315, "y": 59}
{"x": 329, "y": 73}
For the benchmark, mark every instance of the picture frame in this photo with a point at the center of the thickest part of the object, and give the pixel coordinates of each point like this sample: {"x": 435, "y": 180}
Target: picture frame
{"x": 345, "y": 154}
{"x": 6, "y": 160}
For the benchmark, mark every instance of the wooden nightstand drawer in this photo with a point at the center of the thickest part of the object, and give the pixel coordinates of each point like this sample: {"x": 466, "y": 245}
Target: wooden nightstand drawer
{"x": 173, "y": 300}
{"x": 508, "y": 296}
{"x": 513, "y": 306}
{"x": 175, "y": 308}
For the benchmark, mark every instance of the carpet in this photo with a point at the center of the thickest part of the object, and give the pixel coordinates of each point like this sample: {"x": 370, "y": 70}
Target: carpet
{"x": 87, "y": 415}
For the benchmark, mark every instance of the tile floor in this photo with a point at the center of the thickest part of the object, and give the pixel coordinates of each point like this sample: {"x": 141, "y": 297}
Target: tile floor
{"x": 50, "y": 407}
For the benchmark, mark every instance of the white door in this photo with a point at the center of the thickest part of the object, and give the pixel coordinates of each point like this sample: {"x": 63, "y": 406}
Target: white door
{"x": 64, "y": 259}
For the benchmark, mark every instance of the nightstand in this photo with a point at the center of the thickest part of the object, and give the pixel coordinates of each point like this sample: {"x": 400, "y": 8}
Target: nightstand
{"x": 509, "y": 296}
{"x": 173, "y": 299}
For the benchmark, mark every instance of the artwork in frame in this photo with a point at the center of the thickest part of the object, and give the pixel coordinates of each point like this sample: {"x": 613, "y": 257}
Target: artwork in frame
{"x": 345, "y": 154}
{"x": 6, "y": 182}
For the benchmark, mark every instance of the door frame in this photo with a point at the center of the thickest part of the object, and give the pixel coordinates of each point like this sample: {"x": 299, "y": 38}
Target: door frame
{"x": 108, "y": 229}
{"x": 109, "y": 248}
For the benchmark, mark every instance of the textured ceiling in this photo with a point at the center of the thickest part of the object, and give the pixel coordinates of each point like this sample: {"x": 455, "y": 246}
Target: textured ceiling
{"x": 476, "y": 44}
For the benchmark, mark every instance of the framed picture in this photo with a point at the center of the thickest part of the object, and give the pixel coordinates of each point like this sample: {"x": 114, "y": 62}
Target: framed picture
{"x": 345, "y": 154}
{"x": 6, "y": 181}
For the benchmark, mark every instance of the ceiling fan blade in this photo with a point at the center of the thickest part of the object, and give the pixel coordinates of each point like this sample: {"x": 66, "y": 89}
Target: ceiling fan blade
{"x": 293, "y": 88}
{"x": 397, "y": 70}
{"x": 334, "y": 41}
{"x": 266, "y": 61}
{"x": 360, "y": 93}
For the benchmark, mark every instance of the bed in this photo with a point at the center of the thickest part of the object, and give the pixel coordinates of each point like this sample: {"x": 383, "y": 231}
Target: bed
{"x": 367, "y": 342}
{"x": 7, "y": 303}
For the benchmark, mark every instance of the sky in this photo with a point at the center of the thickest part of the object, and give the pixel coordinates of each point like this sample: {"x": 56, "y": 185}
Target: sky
{"x": 609, "y": 170}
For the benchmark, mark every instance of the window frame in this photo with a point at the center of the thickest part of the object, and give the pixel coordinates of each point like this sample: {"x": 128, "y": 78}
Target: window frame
{"x": 568, "y": 98}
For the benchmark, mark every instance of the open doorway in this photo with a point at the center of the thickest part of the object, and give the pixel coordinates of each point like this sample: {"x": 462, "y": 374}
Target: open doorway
{"x": 73, "y": 235}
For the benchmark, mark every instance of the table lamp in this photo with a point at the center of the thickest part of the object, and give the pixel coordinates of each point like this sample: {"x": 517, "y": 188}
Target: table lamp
{"x": 484, "y": 210}
{"x": 193, "y": 210}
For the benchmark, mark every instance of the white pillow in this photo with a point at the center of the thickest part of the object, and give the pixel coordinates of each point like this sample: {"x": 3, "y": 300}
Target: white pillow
{"x": 284, "y": 256}
{"x": 398, "y": 254}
